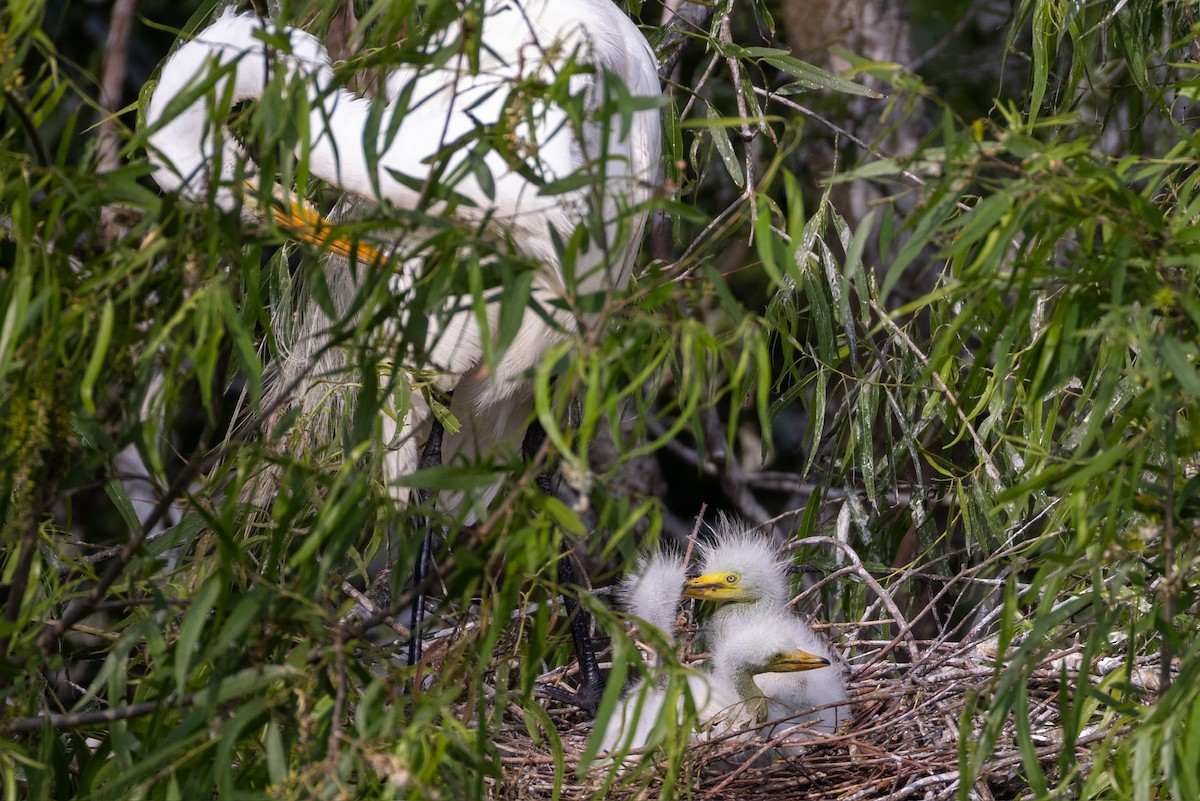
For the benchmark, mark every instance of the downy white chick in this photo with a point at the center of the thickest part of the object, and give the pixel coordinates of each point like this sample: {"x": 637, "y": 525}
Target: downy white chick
{"x": 652, "y": 594}
{"x": 726, "y": 698}
{"x": 745, "y": 574}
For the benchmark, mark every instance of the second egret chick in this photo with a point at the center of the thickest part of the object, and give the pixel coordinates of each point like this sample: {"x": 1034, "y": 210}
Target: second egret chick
{"x": 652, "y": 594}
{"x": 747, "y": 577}
{"x": 761, "y": 646}
{"x": 792, "y": 697}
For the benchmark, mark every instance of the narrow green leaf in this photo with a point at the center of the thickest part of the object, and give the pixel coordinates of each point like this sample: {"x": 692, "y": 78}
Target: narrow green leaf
{"x": 96, "y": 360}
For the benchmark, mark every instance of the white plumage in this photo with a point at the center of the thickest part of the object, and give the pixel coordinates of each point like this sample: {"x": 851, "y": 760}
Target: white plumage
{"x": 422, "y": 111}
{"x": 745, "y": 574}
{"x": 652, "y": 593}
{"x": 740, "y": 571}
{"x": 727, "y": 698}
{"x": 760, "y": 647}
{"x": 654, "y": 590}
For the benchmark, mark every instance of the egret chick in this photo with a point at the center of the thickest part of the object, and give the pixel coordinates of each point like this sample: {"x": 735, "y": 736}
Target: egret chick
{"x": 741, "y": 572}
{"x": 791, "y": 698}
{"x": 652, "y": 594}
{"x": 763, "y": 645}
{"x": 726, "y": 698}
{"x": 746, "y": 575}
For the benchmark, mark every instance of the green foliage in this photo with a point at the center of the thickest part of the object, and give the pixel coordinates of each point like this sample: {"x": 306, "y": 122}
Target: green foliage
{"x": 1033, "y": 417}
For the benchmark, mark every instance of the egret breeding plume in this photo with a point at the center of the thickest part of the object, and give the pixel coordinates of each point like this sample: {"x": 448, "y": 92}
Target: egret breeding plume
{"x": 498, "y": 123}
{"x": 745, "y": 574}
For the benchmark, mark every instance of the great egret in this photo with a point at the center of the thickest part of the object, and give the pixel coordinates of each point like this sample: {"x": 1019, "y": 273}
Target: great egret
{"x": 729, "y": 698}
{"x": 739, "y": 571}
{"x": 745, "y": 574}
{"x": 654, "y": 590}
{"x": 556, "y": 176}
{"x": 652, "y": 594}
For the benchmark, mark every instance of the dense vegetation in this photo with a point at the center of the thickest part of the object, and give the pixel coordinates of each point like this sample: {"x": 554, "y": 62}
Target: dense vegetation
{"x": 973, "y": 408}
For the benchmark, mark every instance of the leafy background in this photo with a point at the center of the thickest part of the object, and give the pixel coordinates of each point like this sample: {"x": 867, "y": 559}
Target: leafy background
{"x": 945, "y": 338}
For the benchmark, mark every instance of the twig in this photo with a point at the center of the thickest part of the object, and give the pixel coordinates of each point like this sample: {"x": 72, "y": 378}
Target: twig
{"x": 865, "y": 576}
{"x": 984, "y": 456}
{"x": 112, "y": 79}
{"x": 339, "y": 703}
{"x": 84, "y": 606}
{"x": 76, "y": 720}
{"x": 725, "y": 37}
{"x": 733, "y": 477}
{"x": 1168, "y": 578}
{"x": 374, "y": 609}
{"x": 31, "y": 130}
{"x": 840, "y": 131}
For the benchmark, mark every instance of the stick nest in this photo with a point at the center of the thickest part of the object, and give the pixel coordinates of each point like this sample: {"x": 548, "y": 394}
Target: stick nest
{"x": 920, "y": 708}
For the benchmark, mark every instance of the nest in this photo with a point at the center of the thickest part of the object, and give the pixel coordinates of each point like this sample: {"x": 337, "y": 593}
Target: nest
{"x": 904, "y": 740}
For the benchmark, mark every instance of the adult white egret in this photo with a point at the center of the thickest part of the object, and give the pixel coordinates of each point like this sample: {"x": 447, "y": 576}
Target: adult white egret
{"x": 523, "y": 165}
{"x": 745, "y": 574}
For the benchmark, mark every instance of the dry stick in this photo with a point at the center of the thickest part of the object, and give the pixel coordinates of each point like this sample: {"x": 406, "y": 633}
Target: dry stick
{"x": 332, "y": 753}
{"x": 13, "y": 104}
{"x": 720, "y": 222}
{"x": 354, "y": 629}
{"x": 374, "y": 609}
{"x": 909, "y": 174}
{"x": 725, "y": 37}
{"x": 953, "y": 35}
{"x": 986, "y": 457}
{"x": 723, "y": 220}
{"x": 1042, "y": 753}
{"x": 731, "y": 474}
{"x": 839, "y": 130}
{"x": 125, "y": 554}
{"x": 19, "y": 584}
{"x": 686, "y": 18}
{"x": 1164, "y": 667}
{"x": 1011, "y": 549}
{"x": 79, "y": 611}
{"x": 914, "y": 573}
{"x": 75, "y": 720}
{"x": 112, "y": 79}
{"x": 67, "y": 569}
{"x": 865, "y": 576}
{"x": 947, "y": 586}
{"x": 769, "y": 480}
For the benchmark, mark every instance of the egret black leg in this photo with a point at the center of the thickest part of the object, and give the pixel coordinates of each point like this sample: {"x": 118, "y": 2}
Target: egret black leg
{"x": 591, "y": 681}
{"x": 430, "y": 457}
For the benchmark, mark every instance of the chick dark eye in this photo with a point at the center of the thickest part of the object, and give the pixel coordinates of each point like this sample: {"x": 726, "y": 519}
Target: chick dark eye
{"x": 731, "y": 578}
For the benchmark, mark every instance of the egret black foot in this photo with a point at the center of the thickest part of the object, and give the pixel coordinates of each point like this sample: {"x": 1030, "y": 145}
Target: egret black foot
{"x": 586, "y": 698}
